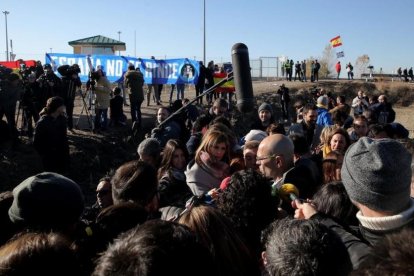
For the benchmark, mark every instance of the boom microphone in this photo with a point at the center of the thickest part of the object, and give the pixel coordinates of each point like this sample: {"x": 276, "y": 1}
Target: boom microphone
{"x": 242, "y": 77}
{"x": 288, "y": 191}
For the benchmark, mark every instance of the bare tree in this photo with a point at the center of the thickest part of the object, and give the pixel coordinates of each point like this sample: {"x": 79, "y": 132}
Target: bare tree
{"x": 361, "y": 64}
{"x": 327, "y": 62}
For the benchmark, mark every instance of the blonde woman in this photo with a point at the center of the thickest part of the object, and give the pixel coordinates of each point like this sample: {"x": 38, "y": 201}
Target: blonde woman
{"x": 208, "y": 168}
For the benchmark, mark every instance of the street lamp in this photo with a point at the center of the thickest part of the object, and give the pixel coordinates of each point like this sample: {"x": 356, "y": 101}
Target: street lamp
{"x": 7, "y": 37}
{"x": 119, "y": 39}
{"x": 204, "y": 34}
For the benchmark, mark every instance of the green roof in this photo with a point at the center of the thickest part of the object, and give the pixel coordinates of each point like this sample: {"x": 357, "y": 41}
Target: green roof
{"x": 97, "y": 40}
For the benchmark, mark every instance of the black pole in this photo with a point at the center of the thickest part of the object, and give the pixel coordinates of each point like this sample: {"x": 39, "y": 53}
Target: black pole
{"x": 211, "y": 89}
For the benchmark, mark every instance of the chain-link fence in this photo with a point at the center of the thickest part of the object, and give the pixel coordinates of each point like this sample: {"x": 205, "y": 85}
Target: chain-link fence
{"x": 265, "y": 68}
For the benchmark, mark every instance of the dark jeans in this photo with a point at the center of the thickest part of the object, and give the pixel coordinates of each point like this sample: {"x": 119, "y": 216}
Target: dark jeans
{"x": 30, "y": 114}
{"x": 180, "y": 91}
{"x": 172, "y": 92}
{"x": 209, "y": 96}
{"x": 69, "y": 113}
{"x": 101, "y": 118}
{"x": 199, "y": 90}
{"x": 11, "y": 121}
{"x": 285, "y": 109}
{"x": 136, "y": 115}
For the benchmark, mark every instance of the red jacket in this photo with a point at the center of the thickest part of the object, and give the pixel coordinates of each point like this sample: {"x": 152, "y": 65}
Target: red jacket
{"x": 338, "y": 67}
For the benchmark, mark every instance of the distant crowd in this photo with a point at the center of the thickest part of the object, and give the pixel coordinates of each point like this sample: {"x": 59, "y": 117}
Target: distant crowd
{"x": 301, "y": 69}
{"x": 405, "y": 75}
{"x": 328, "y": 194}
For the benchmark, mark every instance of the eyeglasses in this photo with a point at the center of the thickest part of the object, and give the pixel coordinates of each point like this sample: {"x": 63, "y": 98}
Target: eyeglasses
{"x": 272, "y": 156}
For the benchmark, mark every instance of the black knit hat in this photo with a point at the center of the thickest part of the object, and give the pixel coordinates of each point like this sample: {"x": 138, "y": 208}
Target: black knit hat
{"x": 46, "y": 200}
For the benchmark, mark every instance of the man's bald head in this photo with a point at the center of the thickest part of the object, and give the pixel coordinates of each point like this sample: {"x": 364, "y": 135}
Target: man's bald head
{"x": 278, "y": 148}
{"x": 278, "y": 144}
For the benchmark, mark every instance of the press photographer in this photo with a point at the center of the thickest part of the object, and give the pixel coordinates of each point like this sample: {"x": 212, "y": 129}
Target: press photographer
{"x": 30, "y": 101}
{"x": 70, "y": 84}
{"x": 10, "y": 91}
{"x": 50, "y": 85}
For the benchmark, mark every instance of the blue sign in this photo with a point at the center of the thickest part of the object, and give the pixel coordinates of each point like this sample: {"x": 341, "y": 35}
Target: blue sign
{"x": 168, "y": 71}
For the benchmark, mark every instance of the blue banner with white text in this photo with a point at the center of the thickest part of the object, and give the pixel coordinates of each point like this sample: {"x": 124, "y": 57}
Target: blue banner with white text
{"x": 168, "y": 71}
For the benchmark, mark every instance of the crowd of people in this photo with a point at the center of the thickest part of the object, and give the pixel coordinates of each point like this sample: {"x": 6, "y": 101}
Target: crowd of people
{"x": 300, "y": 68}
{"x": 406, "y": 74}
{"x": 328, "y": 195}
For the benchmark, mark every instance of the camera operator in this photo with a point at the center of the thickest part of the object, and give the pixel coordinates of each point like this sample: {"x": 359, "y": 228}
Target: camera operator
{"x": 70, "y": 84}
{"x": 50, "y": 85}
{"x": 10, "y": 91}
{"x": 30, "y": 100}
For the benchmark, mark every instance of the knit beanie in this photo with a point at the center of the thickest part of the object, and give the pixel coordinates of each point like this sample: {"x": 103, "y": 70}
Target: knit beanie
{"x": 265, "y": 106}
{"x": 322, "y": 102}
{"x": 149, "y": 146}
{"x": 377, "y": 174}
{"x": 46, "y": 200}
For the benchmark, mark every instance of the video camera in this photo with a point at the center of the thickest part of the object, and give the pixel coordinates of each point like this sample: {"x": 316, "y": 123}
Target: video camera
{"x": 94, "y": 76}
{"x": 26, "y": 72}
{"x": 68, "y": 70}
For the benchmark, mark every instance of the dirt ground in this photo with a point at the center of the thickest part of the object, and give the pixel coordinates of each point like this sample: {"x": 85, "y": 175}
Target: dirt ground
{"x": 93, "y": 155}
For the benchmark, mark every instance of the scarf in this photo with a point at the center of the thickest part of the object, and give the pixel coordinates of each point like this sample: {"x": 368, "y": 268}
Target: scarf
{"x": 217, "y": 168}
{"x": 177, "y": 174}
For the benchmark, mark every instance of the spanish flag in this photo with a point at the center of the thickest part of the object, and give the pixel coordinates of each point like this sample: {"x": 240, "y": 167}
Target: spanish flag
{"x": 336, "y": 41}
{"x": 227, "y": 86}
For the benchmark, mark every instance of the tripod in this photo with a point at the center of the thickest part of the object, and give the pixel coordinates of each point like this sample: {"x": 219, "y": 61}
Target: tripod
{"x": 86, "y": 109}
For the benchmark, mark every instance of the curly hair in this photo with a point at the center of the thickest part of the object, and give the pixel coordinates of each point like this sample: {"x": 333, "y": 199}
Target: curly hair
{"x": 304, "y": 247}
{"x": 156, "y": 248}
{"x": 249, "y": 204}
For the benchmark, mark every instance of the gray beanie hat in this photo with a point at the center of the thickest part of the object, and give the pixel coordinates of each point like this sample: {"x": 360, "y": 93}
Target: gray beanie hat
{"x": 265, "y": 106}
{"x": 377, "y": 174}
{"x": 46, "y": 200}
{"x": 149, "y": 146}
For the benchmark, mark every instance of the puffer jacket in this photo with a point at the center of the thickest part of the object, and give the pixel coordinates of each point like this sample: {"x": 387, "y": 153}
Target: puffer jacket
{"x": 103, "y": 93}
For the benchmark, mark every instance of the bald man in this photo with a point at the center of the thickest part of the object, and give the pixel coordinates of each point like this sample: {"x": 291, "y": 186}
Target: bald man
{"x": 275, "y": 157}
{"x": 275, "y": 161}
{"x": 383, "y": 110}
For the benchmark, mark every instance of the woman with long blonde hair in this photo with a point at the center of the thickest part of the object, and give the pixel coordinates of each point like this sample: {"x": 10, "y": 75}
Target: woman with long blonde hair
{"x": 209, "y": 167}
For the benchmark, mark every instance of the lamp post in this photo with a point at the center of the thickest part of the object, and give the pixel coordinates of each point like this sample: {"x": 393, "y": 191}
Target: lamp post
{"x": 7, "y": 37}
{"x": 119, "y": 39}
{"x": 204, "y": 34}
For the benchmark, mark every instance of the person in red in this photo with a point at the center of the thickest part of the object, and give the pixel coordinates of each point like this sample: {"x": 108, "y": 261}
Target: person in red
{"x": 338, "y": 69}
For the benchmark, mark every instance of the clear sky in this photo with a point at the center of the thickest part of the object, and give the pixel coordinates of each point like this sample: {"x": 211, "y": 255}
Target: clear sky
{"x": 299, "y": 29}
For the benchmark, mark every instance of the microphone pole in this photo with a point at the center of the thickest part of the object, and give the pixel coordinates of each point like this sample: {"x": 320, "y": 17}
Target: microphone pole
{"x": 211, "y": 89}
